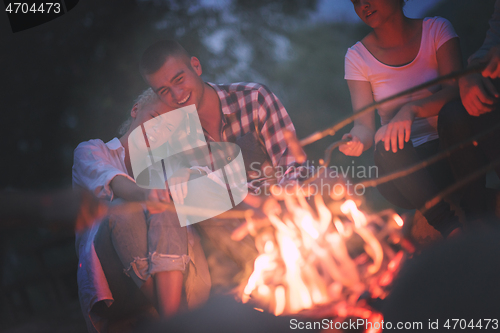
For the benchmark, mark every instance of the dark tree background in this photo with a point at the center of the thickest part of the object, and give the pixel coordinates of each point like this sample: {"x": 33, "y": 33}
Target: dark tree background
{"x": 75, "y": 79}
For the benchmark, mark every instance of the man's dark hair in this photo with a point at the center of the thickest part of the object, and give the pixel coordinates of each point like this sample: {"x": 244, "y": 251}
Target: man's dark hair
{"x": 155, "y": 55}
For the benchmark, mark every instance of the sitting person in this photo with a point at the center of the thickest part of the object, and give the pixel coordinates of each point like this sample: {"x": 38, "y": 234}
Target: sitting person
{"x": 137, "y": 246}
{"x": 398, "y": 54}
{"x": 247, "y": 114}
{"x": 476, "y": 112}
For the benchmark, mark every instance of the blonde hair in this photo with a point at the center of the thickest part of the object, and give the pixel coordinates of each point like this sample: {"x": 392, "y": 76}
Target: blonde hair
{"x": 148, "y": 97}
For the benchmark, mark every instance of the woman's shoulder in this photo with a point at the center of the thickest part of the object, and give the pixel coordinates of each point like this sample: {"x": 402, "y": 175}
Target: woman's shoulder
{"x": 91, "y": 144}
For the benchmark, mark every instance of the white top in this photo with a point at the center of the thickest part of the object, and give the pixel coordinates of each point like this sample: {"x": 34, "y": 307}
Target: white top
{"x": 385, "y": 80}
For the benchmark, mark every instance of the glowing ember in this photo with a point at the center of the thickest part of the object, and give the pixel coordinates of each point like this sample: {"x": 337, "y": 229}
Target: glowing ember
{"x": 316, "y": 256}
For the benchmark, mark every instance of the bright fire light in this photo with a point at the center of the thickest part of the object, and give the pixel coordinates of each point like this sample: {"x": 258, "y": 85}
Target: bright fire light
{"x": 324, "y": 255}
{"x": 398, "y": 219}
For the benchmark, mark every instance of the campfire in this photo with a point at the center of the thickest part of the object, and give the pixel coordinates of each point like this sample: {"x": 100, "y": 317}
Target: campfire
{"x": 328, "y": 259}
{"x": 323, "y": 259}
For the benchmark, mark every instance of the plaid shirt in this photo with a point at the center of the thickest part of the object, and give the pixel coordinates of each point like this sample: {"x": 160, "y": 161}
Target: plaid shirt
{"x": 247, "y": 108}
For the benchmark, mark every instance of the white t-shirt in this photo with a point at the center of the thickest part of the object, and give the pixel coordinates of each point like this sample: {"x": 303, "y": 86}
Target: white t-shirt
{"x": 385, "y": 80}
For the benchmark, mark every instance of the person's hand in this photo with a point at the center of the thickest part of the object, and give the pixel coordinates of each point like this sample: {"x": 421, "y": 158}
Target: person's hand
{"x": 398, "y": 130}
{"x": 477, "y": 93}
{"x": 492, "y": 70}
{"x": 158, "y": 195}
{"x": 352, "y": 148}
{"x": 178, "y": 185}
{"x": 261, "y": 207}
{"x": 90, "y": 210}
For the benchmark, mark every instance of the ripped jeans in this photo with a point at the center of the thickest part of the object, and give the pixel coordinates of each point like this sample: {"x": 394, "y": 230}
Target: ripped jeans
{"x": 144, "y": 243}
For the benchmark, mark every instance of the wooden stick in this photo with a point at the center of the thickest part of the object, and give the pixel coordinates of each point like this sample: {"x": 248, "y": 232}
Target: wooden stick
{"x": 333, "y": 129}
{"x": 327, "y": 158}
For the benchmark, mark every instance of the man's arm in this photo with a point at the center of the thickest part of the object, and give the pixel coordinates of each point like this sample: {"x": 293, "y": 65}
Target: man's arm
{"x": 478, "y": 93}
{"x": 128, "y": 190}
{"x": 363, "y": 131}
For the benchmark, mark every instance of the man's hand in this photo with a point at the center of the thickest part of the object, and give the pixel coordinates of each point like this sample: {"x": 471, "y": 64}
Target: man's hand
{"x": 178, "y": 184}
{"x": 478, "y": 94}
{"x": 492, "y": 70}
{"x": 398, "y": 130}
{"x": 352, "y": 148}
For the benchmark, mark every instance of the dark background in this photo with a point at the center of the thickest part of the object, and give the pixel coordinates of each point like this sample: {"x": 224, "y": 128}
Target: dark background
{"x": 75, "y": 79}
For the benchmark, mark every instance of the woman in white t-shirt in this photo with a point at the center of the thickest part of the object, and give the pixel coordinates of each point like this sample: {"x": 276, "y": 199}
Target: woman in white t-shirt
{"x": 398, "y": 54}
